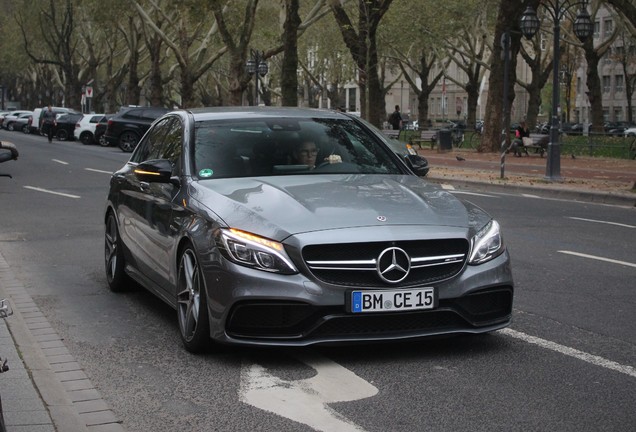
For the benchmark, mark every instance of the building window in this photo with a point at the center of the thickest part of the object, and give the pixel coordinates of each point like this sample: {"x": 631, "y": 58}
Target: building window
{"x": 606, "y": 83}
{"x": 578, "y": 85}
{"x": 618, "y": 114}
{"x": 618, "y": 83}
{"x": 597, "y": 29}
{"x": 605, "y": 115}
{"x": 608, "y": 27}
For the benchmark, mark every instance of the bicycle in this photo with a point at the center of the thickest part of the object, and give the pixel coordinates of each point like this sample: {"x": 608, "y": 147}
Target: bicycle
{"x": 457, "y": 135}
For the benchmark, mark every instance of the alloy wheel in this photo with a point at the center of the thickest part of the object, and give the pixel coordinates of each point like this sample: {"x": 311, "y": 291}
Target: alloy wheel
{"x": 128, "y": 141}
{"x": 191, "y": 304}
{"x": 114, "y": 258}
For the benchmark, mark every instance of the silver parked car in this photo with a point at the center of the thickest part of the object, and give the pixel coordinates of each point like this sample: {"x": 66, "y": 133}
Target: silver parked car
{"x": 286, "y": 226}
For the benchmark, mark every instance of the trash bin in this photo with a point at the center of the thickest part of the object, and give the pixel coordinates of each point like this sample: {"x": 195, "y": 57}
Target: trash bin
{"x": 445, "y": 140}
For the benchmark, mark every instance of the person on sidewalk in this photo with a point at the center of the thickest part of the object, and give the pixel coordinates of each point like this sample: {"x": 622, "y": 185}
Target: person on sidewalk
{"x": 48, "y": 122}
{"x": 395, "y": 119}
{"x": 518, "y": 143}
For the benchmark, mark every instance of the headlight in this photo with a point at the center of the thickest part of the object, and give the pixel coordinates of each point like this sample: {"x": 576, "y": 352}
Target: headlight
{"x": 254, "y": 251}
{"x": 487, "y": 244}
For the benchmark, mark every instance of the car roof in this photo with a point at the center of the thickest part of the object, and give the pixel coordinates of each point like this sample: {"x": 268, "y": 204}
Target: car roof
{"x": 227, "y": 113}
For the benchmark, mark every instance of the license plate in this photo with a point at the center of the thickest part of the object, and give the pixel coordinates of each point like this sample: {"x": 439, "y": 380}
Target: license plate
{"x": 392, "y": 300}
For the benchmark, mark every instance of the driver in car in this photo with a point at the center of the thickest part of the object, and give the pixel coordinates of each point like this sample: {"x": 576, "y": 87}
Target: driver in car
{"x": 306, "y": 152}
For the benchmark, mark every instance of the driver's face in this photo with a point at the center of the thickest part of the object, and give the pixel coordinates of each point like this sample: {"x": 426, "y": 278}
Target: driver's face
{"x": 306, "y": 154}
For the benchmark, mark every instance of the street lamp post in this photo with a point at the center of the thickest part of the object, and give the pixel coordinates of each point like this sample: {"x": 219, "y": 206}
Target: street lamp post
{"x": 256, "y": 66}
{"x": 583, "y": 28}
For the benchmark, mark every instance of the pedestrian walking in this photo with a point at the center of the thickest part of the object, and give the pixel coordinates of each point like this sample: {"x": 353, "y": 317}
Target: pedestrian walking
{"x": 48, "y": 122}
{"x": 395, "y": 119}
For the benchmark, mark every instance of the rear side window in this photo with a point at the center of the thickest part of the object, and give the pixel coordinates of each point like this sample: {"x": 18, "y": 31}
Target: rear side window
{"x": 133, "y": 114}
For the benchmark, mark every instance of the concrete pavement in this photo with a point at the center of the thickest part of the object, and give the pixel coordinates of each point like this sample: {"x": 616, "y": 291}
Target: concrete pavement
{"x": 47, "y": 390}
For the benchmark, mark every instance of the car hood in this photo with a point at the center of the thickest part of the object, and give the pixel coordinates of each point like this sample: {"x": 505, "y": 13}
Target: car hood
{"x": 280, "y": 206}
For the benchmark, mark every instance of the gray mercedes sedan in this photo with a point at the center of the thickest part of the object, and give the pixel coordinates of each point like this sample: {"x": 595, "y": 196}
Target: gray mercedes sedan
{"x": 292, "y": 227}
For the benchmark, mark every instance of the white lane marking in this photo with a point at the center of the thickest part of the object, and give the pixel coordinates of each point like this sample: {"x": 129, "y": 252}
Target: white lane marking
{"x": 609, "y": 260}
{"x": 59, "y": 161}
{"x": 447, "y": 186}
{"x": 474, "y": 194}
{"x": 99, "y": 171}
{"x": 51, "y": 192}
{"x": 603, "y": 222}
{"x": 531, "y": 196}
{"x": 305, "y": 401}
{"x": 586, "y": 357}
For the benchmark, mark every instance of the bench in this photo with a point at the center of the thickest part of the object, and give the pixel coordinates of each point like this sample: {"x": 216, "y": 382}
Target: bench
{"x": 391, "y": 133}
{"x": 539, "y": 145}
{"x": 426, "y": 136}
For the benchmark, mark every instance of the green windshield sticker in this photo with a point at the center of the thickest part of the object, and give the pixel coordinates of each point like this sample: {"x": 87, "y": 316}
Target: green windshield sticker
{"x": 206, "y": 173}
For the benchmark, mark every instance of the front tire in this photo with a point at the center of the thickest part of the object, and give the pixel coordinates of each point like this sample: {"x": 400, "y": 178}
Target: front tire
{"x": 128, "y": 141}
{"x": 117, "y": 278}
{"x": 102, "y": 141}
{"x": 192, "y": 309}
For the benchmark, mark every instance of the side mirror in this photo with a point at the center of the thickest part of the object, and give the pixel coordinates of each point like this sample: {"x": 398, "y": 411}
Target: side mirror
{"x": 156, "y": 171}
{"x": 417, "y": 163}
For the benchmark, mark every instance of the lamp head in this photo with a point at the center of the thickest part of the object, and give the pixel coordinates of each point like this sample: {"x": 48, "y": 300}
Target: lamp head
{"x": 583, "y": 25}
{"x": 529, "y": 23}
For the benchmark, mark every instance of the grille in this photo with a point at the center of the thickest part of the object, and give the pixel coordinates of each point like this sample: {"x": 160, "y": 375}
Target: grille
{"x": 354, "y": 264}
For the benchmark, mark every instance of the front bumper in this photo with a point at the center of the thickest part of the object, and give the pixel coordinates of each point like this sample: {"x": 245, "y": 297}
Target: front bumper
{"x": 249, "y": 308}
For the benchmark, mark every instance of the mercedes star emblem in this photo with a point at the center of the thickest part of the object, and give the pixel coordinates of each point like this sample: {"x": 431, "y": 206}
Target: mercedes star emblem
{"x": 393, "y": 265}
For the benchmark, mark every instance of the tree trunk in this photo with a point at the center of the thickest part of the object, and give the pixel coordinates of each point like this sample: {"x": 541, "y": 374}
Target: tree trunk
{"x": 594, "y": 90}
{"x": 289, "y": 75}
{"x": 495, "y": 119}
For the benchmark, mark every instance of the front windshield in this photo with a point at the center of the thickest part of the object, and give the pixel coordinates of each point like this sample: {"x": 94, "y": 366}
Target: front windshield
{"x": 284, "y": 146}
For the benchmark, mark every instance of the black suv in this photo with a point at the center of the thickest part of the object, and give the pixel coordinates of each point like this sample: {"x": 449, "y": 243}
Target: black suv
{"x": 126, "y": 128}
{"x": 65, "y": 126}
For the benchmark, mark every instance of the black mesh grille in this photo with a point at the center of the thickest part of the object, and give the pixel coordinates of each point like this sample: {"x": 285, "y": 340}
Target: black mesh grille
{"x": 390, "y": 324}
{"x": 368, "y": 277}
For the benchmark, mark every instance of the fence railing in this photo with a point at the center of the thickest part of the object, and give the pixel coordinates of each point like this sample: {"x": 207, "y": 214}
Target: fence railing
{"x": 593, "y": 144}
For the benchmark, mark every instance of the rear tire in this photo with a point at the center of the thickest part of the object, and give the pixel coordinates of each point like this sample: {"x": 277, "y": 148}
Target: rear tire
{"x": 128, "y": 141}
{"x": 86, "y": 138}
{"x": 118, "y": 280}
{"x": 62, "y": 135}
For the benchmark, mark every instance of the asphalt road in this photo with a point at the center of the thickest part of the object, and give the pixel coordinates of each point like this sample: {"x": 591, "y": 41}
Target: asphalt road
{"x": 567, "y": 363}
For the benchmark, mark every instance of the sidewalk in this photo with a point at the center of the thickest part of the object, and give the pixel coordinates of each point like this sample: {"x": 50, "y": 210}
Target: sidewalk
{"x": 46, "y": 390}
{"x": 606, "y": 180}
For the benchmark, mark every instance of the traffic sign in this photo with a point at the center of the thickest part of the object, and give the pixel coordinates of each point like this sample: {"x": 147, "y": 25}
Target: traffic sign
{"x": 89, "y": 92}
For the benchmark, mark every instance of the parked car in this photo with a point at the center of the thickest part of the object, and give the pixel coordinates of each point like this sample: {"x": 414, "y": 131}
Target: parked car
{"x": 100, "y": 130}
{"x": 9, "y": 119}
{"x": 127, "y": 127}
{"x": 34, "y": 123}
{"x": 21, "y": 123}
{"x": 85, "y": 128}
{"x": 65, "y": 126}
{"x": 251, "y": 246}
{"x": 39, "y": 112}
{"x": 630, "y": 132}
